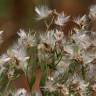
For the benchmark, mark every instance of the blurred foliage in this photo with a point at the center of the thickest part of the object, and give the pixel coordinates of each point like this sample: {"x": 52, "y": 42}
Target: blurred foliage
{"x": 6, "y": 8}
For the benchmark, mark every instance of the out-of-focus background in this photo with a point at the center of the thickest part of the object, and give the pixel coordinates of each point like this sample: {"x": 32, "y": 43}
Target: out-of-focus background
{"x": 15, "y": 14}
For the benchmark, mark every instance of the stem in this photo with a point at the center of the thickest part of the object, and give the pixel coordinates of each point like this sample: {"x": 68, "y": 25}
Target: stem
{"x": 60, "y": 57}
{"x": 7, "y": 87}
{"x": 83, "y": 72}
{"x": 48, "y": 25}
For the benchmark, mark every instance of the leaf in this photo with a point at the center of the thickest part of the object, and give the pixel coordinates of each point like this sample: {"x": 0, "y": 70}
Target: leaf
{"x": 44, "y": 68}
{"x": 3, "y": 81}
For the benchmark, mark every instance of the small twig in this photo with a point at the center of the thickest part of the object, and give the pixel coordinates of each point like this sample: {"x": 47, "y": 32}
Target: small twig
{"x": 48, "y": 25}
{"x": 58, "y": 60}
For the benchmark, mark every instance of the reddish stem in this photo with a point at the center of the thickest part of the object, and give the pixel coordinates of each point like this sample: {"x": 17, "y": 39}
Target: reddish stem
{"x": 36, "y": 86}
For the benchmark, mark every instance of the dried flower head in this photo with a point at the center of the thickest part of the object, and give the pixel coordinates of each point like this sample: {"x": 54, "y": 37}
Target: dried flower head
{"x": 83, "y": 21}
{"x": 63, "y": 89}
{"x": 93, "y": 11}
{"x": 82, "y": 39}
{"x": 43, "y": 12}
{"x": 48, "y": 38}
{"x": 92, "y": 36}
{"x": 79, "y": 86}
{"x": 3, "y": 60}
{"x": 28, "y": 40}
{"x": 59, "y": 36}
{"x": 77, "y": 20}
{"x": 18, "y": 55}
{"x": 62, "y": 19}
{"x": 21, "y": 92}
{"x": 21, "y": 55}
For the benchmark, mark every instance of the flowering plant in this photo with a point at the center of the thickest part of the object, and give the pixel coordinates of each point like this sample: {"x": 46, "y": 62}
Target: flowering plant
{"x": 61, "y": 61}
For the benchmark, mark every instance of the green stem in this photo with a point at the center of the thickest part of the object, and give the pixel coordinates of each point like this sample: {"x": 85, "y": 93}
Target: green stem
{"x": 7, "y": 87}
